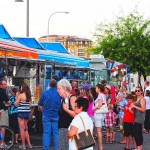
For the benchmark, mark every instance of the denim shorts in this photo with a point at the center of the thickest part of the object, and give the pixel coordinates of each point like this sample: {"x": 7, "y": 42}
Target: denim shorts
{"x": 24, "y": 115}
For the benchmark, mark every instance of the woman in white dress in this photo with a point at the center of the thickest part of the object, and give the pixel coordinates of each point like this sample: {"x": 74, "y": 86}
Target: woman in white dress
{"x": 76, "y": 126}
{"x": 99, "y": 117}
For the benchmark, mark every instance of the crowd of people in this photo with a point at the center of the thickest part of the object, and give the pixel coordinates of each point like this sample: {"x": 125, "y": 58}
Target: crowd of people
{"x": 15, "y": 112}
{"x": 87, "y": 102}
{"x": 65, "y": 106}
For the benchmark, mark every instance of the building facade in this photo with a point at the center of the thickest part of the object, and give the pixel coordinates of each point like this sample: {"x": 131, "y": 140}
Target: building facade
{"x": 73, "y": 44}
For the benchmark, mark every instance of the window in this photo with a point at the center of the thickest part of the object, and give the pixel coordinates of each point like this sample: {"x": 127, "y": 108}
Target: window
{"x": 80, "y": 54}
{"x": 80, "y": 50}
{"x": 48, "y": 72}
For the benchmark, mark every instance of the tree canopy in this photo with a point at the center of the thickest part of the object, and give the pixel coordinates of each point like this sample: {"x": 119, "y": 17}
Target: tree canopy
{"x": 127, "y": 40}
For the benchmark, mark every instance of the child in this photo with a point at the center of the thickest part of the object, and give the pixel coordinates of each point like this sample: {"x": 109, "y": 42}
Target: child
{"x": 12, "y": 112}
{"x": 128, "y": 120}
{"x": 121, "y": 102}
{"x": 109, "y": 123}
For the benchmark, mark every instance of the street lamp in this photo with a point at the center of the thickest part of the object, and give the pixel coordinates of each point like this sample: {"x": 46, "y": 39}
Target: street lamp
{"x": 50, "y": 18}
{"x": 27, "y": 25}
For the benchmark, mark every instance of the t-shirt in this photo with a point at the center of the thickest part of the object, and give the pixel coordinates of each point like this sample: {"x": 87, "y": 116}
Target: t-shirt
{"x": 51, "y": 101}
{"x": 100, "y": 97}
{"x": 3, "y": 98}
{"x": 103, "y": 98}
{"x": 128, "y": 116}
{"x": 90, "y": 108}
{"x": 122, "y": 104}
{"x": 77, "y": 122}
{"x": 12, "y": 109}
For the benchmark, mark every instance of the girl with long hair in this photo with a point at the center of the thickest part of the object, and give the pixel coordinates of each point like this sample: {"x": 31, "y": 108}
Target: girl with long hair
{"x": 85, "y": 92}
{"x": 139, "y": 116}
{"x": 23, "y": 102}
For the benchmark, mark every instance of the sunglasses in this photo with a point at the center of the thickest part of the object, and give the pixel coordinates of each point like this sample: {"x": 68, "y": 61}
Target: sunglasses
{"x": 137, "y": 91}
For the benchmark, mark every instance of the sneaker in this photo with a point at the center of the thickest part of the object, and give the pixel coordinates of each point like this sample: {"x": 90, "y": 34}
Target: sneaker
{"x": 22, "y": 147}
{"x": 30, "y": 146}
{"x": 3, "y": 145}
{"x": 16, "y": 142}
{"x": 10, "y": 142}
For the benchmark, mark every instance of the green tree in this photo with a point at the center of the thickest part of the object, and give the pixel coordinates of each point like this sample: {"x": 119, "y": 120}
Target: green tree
{"x": 127, "y": 40}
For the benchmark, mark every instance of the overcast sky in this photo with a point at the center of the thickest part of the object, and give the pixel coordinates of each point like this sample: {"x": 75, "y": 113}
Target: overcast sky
{"x": 82, "y": 20}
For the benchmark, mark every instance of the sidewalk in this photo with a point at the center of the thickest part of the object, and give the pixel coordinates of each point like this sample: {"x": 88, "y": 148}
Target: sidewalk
{"x": 36, "y": 141}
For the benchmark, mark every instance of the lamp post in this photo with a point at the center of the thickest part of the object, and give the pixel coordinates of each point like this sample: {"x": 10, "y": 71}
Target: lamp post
{"x": 50, "y": 18}
{"x": 27, "y": 23}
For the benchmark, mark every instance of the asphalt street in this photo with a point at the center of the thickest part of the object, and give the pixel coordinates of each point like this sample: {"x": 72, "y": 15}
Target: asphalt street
{"x": 36, "y": 140}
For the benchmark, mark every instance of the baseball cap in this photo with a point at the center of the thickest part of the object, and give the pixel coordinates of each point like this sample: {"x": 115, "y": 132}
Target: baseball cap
{"x": 108, "y": 87}
{"x": 85, "y": 87}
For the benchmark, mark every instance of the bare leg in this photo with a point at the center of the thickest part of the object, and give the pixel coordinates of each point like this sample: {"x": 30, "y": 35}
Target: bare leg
{"x": 140, "y": 147}
{"x": 127, "y": 138}
{"x": 99, "y": 135}
{"x": 27, "y": 133}
{"x": 22, "y": 130}
{"x": 107, "y": 134}
{"x": 3, "y": 135}
{"x": 111, "y": 137}
{"x": 16, "y": 137}
{"x": 94, "y": 129}
{"x": 134, "y": 143}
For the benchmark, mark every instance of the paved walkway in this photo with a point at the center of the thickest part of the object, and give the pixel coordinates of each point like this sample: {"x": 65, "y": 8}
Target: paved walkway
{"x": 36, "y": 141}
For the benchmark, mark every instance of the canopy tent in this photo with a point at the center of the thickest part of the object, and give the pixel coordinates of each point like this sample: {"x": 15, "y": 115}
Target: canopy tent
{"x": 29, "y": 42}
{"x": 51, "y": 55}
{"x": 11, "y": 48}
{"x": 4, "y": 34}
{"x": 55, "y": 46}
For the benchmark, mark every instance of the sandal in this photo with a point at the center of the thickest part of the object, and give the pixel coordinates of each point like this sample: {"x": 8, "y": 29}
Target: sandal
{"x": 122, "y": 142}
{"x": 114, "y": 141}
{"x": 100, "y": 148}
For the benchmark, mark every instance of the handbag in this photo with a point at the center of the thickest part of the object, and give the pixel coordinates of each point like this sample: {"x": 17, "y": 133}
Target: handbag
{"x": 102, "y": 110}
{"x": 83, "y": 139}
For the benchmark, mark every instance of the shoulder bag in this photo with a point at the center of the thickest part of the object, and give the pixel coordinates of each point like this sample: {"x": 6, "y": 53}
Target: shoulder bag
{"x": 102, "y": 110}
{"x": 84, "y": 139}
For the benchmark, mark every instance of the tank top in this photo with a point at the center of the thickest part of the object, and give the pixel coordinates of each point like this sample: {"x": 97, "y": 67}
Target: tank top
{"x": 24, "y": 107}
{"x": 64, "y": 118}
{"x": 138, "y": 115}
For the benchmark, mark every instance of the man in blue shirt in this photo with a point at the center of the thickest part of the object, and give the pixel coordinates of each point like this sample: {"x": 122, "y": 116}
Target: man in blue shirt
{"x": 49, "y": 103}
